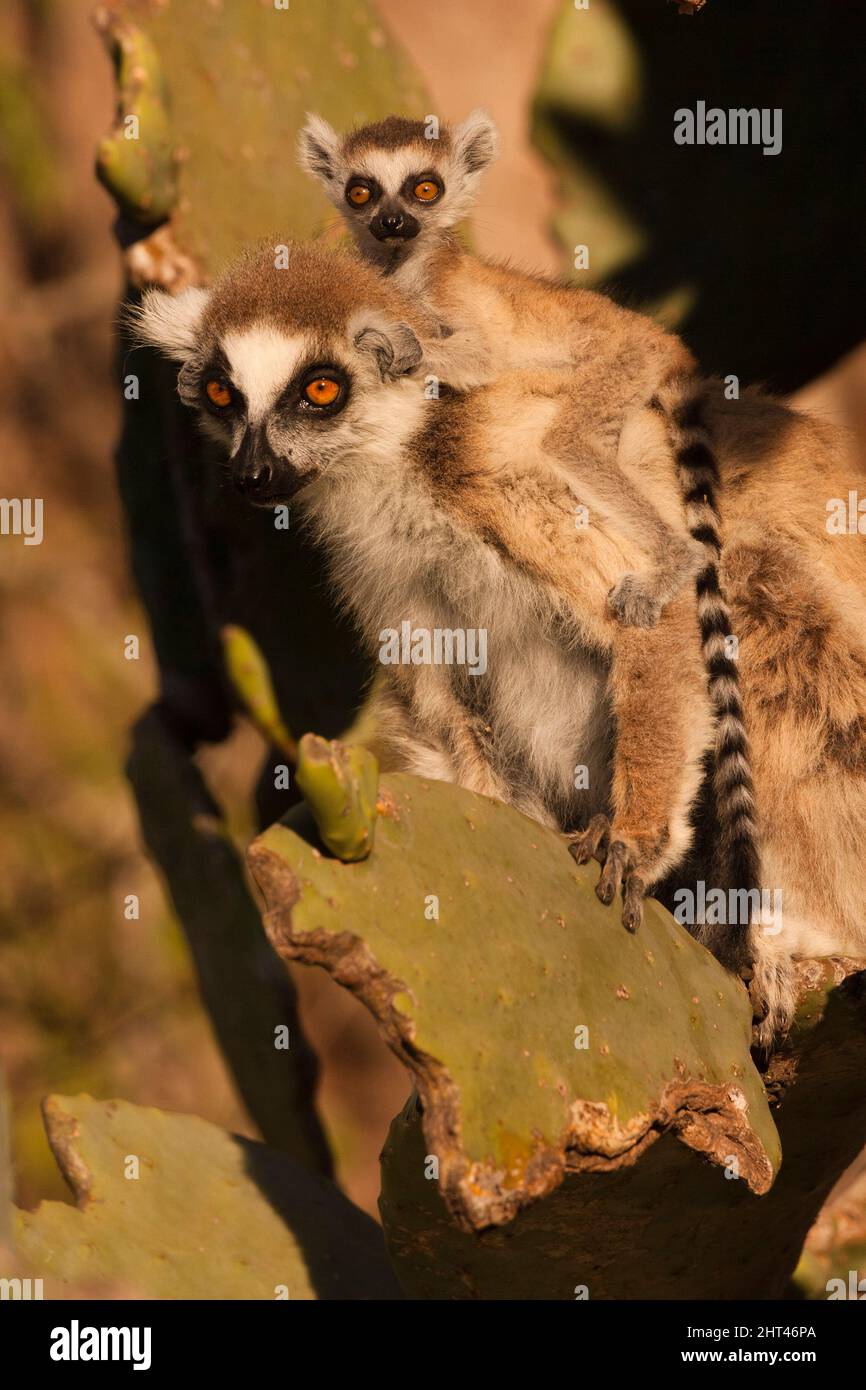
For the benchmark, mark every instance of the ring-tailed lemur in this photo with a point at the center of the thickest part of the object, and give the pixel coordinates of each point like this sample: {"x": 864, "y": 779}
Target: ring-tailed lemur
{"x": 456, "y": 515}
{"x": 254, "y": 353}
{"x": 400, "y": 194}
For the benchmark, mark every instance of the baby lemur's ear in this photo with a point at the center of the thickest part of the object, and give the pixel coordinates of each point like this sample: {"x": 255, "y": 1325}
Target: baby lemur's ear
{"x": 318, "y": 147}
{"x": 170, "y": 322}
{"x": 475, "y": 142}
{"x": 396, "y": 350}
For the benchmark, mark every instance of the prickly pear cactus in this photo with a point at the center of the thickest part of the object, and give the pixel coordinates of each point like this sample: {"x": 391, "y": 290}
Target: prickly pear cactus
{"x": 542, "y": 1037}
{"x": 833, "y": 1265}
{"x": 220, "y": 92}
{"x": 138, "y": 162}
{"x": 339, "y": 783}
{"x": 251, "y": 678}
{"x": 169, "y": 1206}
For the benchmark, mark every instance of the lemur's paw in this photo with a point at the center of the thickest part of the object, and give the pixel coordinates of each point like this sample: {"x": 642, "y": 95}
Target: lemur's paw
{"x": 618, "y": 863}
{"x": 762, "y": 1044}
{"x": 772, "y": 991}
{"x": 633, "y": 604}
{"x": 634, "y": 892}
{"x": 618, "y": 875}
{"x": 592, "y": 843}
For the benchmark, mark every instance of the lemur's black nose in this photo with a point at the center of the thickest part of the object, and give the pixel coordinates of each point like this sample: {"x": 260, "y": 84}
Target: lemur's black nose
{"x": 255, "y": 478}
{"x": 254, "y": 465}
{"x": 392, "y": 223}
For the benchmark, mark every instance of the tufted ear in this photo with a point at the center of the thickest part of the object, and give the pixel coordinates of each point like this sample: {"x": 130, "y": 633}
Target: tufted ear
{"x": 318, "y": 148}
{"x": 393, "y": 345}
{"x": 475, "y": 142}
{"x": 169, "y": 322}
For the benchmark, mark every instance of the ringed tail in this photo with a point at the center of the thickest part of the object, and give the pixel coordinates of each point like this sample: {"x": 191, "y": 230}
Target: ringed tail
{"x": 737, "y": 859}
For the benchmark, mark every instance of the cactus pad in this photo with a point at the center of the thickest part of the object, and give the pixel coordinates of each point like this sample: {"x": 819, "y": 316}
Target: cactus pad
{"x": 209, "y": 1215}
{"x": 542, "y": 1037}
{"x": 238, "y": 79}
{"x": 339, "y": 784}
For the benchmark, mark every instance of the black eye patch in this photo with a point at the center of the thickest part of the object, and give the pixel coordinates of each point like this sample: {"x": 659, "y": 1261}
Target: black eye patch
{"x": 362, "y": 192}
{"x": 413, "y": 185}
{"x": 216, "y": 390}
{"x": 318, "y": 392}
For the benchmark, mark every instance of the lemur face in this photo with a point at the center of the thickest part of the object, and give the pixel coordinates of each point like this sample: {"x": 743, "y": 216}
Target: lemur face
{"x": 292, "y": 370}
{"x": 392, "y": 214}
{"x": 393, "y": 185}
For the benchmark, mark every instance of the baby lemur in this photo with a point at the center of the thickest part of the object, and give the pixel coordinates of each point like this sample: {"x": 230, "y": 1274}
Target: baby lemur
{"x": 457, "y": 514}
{"x": 400, "y": 193}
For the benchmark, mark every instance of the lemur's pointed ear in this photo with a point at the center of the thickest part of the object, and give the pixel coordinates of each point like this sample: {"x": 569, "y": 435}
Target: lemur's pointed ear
{"x": 394, "y": 347}
{"x": 475, "y": 142}
{"x": 318, "y": 147}
{"x": 170, "y": 322}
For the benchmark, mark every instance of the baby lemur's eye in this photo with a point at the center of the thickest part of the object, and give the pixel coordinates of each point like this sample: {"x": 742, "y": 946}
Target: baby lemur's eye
{"x": 322, "y": 390}
{"x": 426, "y": 191}
{"x": 218, "y": 393}
{"x": 358, "y": 194}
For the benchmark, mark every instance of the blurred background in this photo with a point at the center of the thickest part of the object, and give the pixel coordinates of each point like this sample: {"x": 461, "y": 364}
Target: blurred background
{"x": 757, "y": 262}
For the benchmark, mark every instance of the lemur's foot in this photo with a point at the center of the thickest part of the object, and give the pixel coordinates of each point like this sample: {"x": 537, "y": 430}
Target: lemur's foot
{"x": 592, "y": 842}
{"x": 773, "y": 995}
{"x": 633, "y": 602}
{"x": 765, "y": 1022}
{"x": 762, "y": 1035}
{"x": 761, "y": 1047}
{"x": 633, "y": 895}
{"x": 618, "y": 862}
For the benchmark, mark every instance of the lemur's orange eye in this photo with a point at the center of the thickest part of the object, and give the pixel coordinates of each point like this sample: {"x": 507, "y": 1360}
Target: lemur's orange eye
{"x": 358, "y": 194}
{"x": 322, "y": 391}
{"x": 218, "y": 393}
{"x": 426, "y": 191}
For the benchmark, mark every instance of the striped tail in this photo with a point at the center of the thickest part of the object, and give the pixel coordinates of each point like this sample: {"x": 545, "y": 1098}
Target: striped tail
{"x": 737, "y": 863}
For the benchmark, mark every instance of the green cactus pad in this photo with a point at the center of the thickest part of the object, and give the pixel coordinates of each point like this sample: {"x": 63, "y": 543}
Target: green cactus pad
{"x": 839, "y": 1271}
{"x": 339, "y": 784}
{"x": 241, "y": 77}
{"x": 249, "y": 674}
{"x": 485, "y": 956}
{"x": 137, "y": 161}
{"x": 210, "y": 1215}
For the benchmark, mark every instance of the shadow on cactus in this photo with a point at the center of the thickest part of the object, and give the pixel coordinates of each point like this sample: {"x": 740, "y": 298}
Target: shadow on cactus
{"x": 585, "y": 1096}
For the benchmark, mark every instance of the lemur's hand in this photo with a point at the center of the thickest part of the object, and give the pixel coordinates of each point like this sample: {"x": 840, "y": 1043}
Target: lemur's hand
{"x": 618, "y": 858}
{"x": 634, "y": 603}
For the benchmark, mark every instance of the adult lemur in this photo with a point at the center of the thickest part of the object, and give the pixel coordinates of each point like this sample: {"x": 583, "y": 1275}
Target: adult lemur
{"x": 400, "y": 193}
{"x": 454, "y": 514}
{"x": 460, "y": 512}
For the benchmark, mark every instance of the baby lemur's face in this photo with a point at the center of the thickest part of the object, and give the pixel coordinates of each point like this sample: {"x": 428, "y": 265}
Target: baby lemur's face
{"x": 397, "y": 187}
{"x": 294, "y": 370}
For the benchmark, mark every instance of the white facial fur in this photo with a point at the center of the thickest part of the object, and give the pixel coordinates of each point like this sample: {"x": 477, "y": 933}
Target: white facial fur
{"x": 262, "y": 361}
{"x": 384, "y": 405}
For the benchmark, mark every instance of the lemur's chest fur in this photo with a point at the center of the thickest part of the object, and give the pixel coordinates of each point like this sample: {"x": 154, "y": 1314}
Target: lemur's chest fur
{"x": 441, "y": 543}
